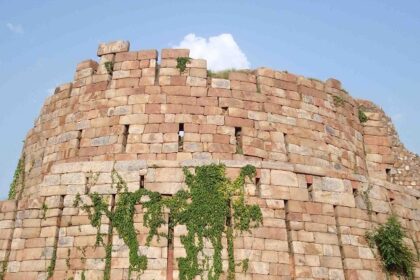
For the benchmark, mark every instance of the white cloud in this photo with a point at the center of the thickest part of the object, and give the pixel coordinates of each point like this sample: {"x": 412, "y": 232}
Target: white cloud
{"x": 15, "y": 28}
{"x": 221, "y": 52}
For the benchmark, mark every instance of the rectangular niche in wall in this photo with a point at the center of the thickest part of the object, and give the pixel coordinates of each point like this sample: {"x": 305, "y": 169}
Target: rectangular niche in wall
{"x": 181, "y": 134}
{"x": 238, "y": 138}
{"x": 125, "y": 137}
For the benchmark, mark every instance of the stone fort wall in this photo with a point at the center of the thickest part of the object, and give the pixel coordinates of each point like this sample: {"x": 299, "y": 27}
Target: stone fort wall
{"x": 147, "y": 120}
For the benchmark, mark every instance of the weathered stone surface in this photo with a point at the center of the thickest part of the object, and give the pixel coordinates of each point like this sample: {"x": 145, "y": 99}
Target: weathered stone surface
{"x": 318, "y": 168}
{"x": 283, "y": 178}
{"x": 113, "y": 47}
{"x": 220, "y": 83}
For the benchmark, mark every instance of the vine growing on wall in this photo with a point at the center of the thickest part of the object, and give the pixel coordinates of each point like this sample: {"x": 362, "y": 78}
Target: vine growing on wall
{"x": 3, "y": 267}
{"x": 18, "y": 178}
{"x": 122, "y": 220}
{"x": 51, "y": 266}
{"x": 396, "y": 257}
{"x": 212, "y": 207}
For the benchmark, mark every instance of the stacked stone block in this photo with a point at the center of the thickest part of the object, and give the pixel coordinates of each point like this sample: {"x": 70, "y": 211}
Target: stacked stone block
{"x": 127, "y": 107}
{"x": 147, "y": 120}
{"x": 34, "y": 237}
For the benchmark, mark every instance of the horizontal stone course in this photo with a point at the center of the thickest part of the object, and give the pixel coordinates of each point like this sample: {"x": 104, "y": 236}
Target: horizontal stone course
{"x": 147, "y": 121}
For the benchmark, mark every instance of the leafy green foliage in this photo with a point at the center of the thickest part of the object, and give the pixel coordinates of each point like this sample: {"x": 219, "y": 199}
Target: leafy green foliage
{"x": 362, "y": 116}
{"x": 245, "y": 265}
{"x": 109, "y": 66}
{"x": 395, "y": 255}
{"x": 338, "y": 101}
{"x": 18, "y": 178}
{"x": 122, "y": 219}
{"x": 181, "y": 63}
{"x": 108, "y": 251}
{"x": 213, "y": 206}
{"x": 207, "y": 209}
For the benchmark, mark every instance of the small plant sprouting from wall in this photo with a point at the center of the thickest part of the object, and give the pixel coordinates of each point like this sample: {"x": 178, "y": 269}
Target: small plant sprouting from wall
{"x": 18, "y": 178}
{"x": 362, "y": 116}
{"x": 212, "y": 207}
{"x": 44, "y": 209}
{"x": 181, "y": 63}
{"x": 338, "y": 101}
{"x": 395, "y": 255}
{"x": 109, "y": 66}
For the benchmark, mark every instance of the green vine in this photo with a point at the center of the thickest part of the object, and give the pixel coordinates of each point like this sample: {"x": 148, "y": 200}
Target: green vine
{"x": 51, "y": 267}
{"x": 212, "y": 207}
{"x": 362, "y": 116}
{"x": 395, "y": 255}
{"x": 109, "y": 66}
{"x": 18, "y": 178}
{"x": 68, "y": 259}
{"x": 108, "y": 251}
{"x": 3, "y": 269}
{"x": 122, "y": 219}
{"x": 181, "y": 63}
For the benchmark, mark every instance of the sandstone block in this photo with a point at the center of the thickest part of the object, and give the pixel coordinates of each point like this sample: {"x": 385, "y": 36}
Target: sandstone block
{"x": 73, "y": 179}
{"x": 175, "y": 53}
{"x": 147, "y": 54}
{"x": 113, "y": 47}
{"x": 220, "y": 83}
{"x": 283, "y": 178}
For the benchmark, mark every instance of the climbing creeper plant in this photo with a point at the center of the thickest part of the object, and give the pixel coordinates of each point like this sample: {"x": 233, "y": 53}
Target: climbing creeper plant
{"x": 212, "y": 207}
{"x": 3, "y": 267}
{"x": 18, "y": 178}
{"x": 122, "y": 220}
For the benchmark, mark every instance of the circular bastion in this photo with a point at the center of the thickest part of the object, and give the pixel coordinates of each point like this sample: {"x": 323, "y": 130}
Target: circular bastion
{"x": 329, "y": 168}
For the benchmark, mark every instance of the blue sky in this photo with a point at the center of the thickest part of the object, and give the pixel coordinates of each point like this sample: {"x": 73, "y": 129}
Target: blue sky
{"x": 371, "y": 46}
